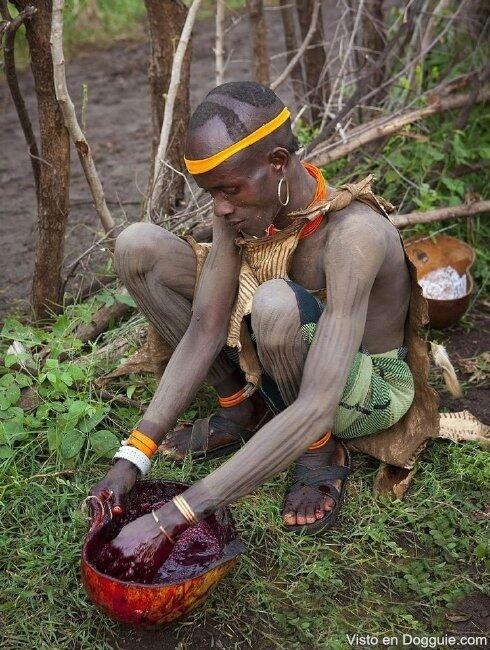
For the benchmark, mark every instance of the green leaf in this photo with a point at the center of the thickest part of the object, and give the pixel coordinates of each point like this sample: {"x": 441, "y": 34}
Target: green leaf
{"x": 71, "y": 444}
{"x": 126, "y": 300}
{"x": 76, "y": 372}
{"x": 54, "y": 439}
{"x": 130, "y": 390}
{"x": 6, "y": 452}
{"x": 51, "y": 376}
{"x": 77, "y": 407}
{"x": 12, "y": 431}
{"x": 51, "y": 363}
{"x": 88, "y": 424}
{"x": 13, "y": 394}
{"x": 66, "y": 378}
{"x": 23, "y": 380}
{"x": 104, "y": 442}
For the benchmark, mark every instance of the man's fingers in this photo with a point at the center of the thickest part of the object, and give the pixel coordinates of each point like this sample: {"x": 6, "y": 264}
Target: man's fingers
{"x": 118, "y": 505}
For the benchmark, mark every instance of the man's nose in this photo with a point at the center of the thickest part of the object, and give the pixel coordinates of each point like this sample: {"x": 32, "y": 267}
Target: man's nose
{"x": 222, "y": 207}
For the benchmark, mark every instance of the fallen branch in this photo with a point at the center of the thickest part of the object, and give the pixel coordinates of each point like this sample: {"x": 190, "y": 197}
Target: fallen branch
{"x": 314, "y": 19}
{"x": 10, "y": 27}
{"x": 169, "y": 103}
{"x": 453, "y": 212}
{"x": 381, "y": 129}
{"x": 71, "y": 122}
{"x": 121, "y": 399}
{"x": 101, "y": 319}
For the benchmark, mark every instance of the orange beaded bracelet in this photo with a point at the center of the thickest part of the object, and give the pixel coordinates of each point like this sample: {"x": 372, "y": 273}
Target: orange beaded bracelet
{"x": 321, "y": 442}
{"x": 142, "y": 442}
{"x": 233, "y": 400}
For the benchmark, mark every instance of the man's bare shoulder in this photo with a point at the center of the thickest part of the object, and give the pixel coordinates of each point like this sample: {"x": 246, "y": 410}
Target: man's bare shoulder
{"x": 360, "y": 220}
{"x": 359, "y": 226}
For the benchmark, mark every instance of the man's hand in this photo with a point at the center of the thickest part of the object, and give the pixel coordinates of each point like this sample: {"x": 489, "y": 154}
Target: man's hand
{"x": 115, "y": 485}
{"x": 141, "y": 547}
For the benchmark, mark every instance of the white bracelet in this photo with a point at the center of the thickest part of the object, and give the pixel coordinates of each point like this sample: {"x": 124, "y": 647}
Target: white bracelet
{"x": 134, "y": 456}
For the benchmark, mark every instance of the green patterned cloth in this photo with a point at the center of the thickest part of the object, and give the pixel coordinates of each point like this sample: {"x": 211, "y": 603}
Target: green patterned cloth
{"x": 378, "y": 392}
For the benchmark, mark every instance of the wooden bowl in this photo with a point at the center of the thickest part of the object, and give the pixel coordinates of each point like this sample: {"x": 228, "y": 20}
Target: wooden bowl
{"x": 155, "y": 605}
{"x": 430, "y": 253}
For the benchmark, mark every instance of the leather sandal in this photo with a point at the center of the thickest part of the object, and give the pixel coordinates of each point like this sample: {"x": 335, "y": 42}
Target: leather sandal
{"x": 321, "y": 477}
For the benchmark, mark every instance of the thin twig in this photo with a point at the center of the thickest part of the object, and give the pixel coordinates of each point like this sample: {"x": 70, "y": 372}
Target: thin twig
{"x": 170, "y": 102}
{"x": 71, "y": 121}
{"x": 10, "y": 27}
{"x": 314, "y": 19}
{"x": 219, "y": 48}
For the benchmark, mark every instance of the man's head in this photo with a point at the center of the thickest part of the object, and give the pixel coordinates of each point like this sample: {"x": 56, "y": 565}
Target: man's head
{"x": 244, "y": 187}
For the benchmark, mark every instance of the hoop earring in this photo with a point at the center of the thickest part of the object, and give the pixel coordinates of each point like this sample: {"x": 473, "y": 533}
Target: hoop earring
{"x": 279, "y": 190}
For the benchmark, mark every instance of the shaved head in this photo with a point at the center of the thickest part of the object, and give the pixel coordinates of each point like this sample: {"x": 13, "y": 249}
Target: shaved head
{"x": 232, "y": 111}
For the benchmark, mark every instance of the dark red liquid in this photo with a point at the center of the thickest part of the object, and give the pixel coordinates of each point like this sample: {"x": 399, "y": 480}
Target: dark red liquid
{"x": 197, "y": 549}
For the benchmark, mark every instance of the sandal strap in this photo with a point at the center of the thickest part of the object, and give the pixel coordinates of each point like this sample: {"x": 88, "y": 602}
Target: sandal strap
{"x": 313, "y": 476}
{"x": 201, "y": 428}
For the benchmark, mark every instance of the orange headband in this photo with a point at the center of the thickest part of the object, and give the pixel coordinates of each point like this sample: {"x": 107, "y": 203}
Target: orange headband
{"x": 206, "y": 164}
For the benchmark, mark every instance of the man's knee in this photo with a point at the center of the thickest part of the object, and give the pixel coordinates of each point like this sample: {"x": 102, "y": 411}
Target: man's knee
{"x": 136, "y": 247}
{"x": 274, "y": 313}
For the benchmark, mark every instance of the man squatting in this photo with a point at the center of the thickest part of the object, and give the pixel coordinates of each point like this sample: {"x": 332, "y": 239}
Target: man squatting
{"x": 329, "y": 369}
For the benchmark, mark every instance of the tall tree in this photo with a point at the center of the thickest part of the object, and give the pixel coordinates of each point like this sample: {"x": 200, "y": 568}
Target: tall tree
{"x": 166, "y": 19}
{"x": 370, "y": 40}
{"x": 260, "y": 55}
{"x": 54, "y": 173}
{"x": 315, "y": 60}
{"x": 288, "y": 15}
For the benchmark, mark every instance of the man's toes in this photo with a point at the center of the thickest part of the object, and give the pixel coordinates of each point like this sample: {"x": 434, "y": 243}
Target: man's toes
{"x": 319, "y": 510}
{"x": 289, "y": 518}
{"x": 301, "y": 515}
{"x": 328, "y": 504}
{"x": 310, "y": 514}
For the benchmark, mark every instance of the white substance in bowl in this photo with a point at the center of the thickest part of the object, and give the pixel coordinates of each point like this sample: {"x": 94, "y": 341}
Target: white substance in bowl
{"x": 443, "y": 284}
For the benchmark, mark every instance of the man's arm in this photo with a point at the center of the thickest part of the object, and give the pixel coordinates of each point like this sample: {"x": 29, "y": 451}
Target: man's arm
{"x": 204, "y": 338}
{"x": 353, "y": 256}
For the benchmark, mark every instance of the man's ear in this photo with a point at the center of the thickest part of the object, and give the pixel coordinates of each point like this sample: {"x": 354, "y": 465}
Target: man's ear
{"x": 279, "y": 157}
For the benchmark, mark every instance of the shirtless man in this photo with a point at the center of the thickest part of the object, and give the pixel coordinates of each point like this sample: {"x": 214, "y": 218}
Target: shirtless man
{"x": 307, "y": 350}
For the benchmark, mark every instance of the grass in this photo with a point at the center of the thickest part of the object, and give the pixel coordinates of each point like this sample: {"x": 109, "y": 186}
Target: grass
{"x": 390, "y": 567}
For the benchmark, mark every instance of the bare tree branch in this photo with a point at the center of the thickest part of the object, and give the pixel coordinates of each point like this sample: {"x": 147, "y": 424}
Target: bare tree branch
{"x": 10, "y": 27}
{"x": 169, "y": 104}
{"x": 453, "y": 212}
{"x": 283, "y": 76}
{"x": 219, "y": 48}
{"x": 71, "y": 122}
{"x": 385, "y": 127}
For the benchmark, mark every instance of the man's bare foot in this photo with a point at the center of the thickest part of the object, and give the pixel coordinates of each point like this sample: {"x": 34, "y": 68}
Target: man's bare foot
{"x": 307, "y": 501}
{"x": 246, "y": 416}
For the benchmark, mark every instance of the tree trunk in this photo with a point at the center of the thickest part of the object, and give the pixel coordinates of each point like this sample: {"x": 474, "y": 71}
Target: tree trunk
{"x": 371, "y": 39}
{"x": 260, "y": 57}
{"x": 315, "y": 61}
{"x": 288, "y": 15}
{"x": 166, "y": 19}
{"x": 54, "y": 177}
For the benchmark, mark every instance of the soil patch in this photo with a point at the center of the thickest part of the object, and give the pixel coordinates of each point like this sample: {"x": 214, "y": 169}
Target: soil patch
{"x": 463, "y": 343}
{"x": 471, "y": 615}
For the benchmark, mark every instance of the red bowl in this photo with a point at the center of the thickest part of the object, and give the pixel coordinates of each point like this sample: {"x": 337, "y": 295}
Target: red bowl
{"x": 153, "y": 605}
